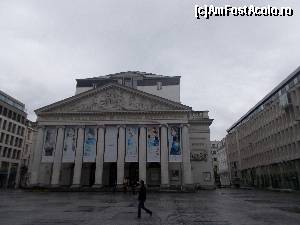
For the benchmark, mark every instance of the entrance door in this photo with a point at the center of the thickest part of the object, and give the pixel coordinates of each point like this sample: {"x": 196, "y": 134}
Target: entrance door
{"x": 112, "y": 174}
{"x": 132, "y": 172}
{"x": 153, "y": 174}
{"x": 88, "y": 174}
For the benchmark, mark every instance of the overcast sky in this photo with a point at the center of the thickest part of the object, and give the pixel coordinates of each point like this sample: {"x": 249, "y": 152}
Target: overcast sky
{"x": 226, "y": 64}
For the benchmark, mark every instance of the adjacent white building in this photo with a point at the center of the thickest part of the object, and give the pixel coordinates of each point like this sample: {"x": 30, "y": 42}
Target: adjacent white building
{"x": 129, "y": 125}
{"x": 213, "y": 150}
{"x": 223, "y": 171}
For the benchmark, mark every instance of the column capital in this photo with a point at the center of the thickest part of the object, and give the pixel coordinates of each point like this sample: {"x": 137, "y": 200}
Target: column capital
{"x": 101, "y": 126}
{"x": 164, "y": 125}
{"x": 185, "y": 125}
{"x": 61, "y": 126}
{"x": 121, "y": 126}
{"x": 40, "y": 126}
{"x": 80, "y": 126}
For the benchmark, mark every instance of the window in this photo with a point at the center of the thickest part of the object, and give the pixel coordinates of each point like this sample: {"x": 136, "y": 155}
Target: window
{"x": 20, "y": 142}
{"x": 6, "y": 139}
{"x": 9, "y": 114}
{"x": 14, "y": 116}
{"x": 9, "y": 153}
{"x": 14, "y": 154}
{"x": 16, "y": 141}
{"x": 9, "y": 127}
{"x": 14, "y": 128}
{"x": 5, "y": 112}
{"x": 18, "y": 154}
{"x": 1, "y": 137}
{"x": 11, "y": 140}
{"x": 4, "y": 125}
{"x": 159, "y": 85}
{"x": 4, "y": 152}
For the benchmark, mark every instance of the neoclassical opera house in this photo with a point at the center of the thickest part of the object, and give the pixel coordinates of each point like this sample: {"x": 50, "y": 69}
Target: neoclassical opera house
{"x": 124, "y": 126}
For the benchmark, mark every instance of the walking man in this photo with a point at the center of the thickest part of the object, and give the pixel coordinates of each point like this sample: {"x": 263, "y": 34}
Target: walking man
{"x": 142, "y": 199}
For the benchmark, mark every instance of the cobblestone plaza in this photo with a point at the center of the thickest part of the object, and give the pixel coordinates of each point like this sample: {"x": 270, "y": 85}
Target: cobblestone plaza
{"x": 210, "y": 207}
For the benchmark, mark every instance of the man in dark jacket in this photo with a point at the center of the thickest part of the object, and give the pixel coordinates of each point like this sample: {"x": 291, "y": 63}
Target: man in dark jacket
{"x": 142, "y": 199}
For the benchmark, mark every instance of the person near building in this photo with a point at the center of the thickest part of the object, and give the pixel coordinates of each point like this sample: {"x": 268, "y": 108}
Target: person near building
{"x": 142, "y": 199}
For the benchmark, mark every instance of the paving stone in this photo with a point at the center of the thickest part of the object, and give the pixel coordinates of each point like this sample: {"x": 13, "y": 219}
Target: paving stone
{"x": 214, "y": 207}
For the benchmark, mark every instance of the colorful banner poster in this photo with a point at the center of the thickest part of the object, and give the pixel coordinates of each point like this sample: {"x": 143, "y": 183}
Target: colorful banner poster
{"x": 111, "y": 144}
{"x": 69, "y": 145}
{"x": 175, "y": 153}
{"x": 132, "y": 141}
{"x": 90, "y": 141}
{"x": 153, "y": 144}
{"x": 49, "y": 145}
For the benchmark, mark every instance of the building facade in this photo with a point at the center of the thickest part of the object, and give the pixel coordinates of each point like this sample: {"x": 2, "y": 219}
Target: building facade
{"x": 12, "y": 133}
{"x": 111, "y": 131}
{"x": 264, "y": 145}
{"x": 27, "y": 154}
{"x": 215, "y": 163}
{"x": 223, "y": 169}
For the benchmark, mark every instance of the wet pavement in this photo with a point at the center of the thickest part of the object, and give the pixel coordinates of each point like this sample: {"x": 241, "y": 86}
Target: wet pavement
{"x": 215, "y": 207}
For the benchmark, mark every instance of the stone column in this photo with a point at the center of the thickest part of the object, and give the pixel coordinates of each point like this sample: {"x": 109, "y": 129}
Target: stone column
{"x": 121, "y": 157}
{"x": 187, "y": 173}
{"x": 57, "y": 157}
{"x": 164, "y": 167}
{"x": 78, "y": 158}
{"x": 99, "y": 158}
{"x": 142, "y": 155}
{"x": 38, "y": 148}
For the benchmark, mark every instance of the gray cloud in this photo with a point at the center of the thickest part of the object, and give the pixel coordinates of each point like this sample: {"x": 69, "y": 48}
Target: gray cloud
{"x": 226, "y": 64}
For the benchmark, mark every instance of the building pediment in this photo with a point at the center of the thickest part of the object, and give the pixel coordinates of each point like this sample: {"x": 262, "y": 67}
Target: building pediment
{"x": 112, "y": 98}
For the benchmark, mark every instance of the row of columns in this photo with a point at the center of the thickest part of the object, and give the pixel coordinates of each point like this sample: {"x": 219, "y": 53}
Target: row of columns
{"x": 187, "y": 176}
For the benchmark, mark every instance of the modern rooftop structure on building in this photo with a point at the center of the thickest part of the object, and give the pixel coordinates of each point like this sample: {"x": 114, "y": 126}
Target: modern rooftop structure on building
{"x": 119, "y": 129}
{"x": 163, "y": 86}
{"x": 264, "y": 145}
{"x": 12, "y": 131}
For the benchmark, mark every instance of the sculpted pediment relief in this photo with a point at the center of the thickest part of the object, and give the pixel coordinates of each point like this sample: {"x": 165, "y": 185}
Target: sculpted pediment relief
{"x": 113, "y": 98}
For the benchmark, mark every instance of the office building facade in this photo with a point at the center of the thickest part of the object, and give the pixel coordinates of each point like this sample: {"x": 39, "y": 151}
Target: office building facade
{"x": 264, "y": 145}
{"x": 12, "y": 133}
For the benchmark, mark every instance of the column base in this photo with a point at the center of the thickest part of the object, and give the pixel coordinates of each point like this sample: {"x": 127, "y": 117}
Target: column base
{"x": 75, "y": 186}
{"x": 54, "y": 185}
{"x": 97, "y": 186}
{"x": 120, "y": 187}
{"x": 188, "y": 187}
{"x": 164, "y": 186}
